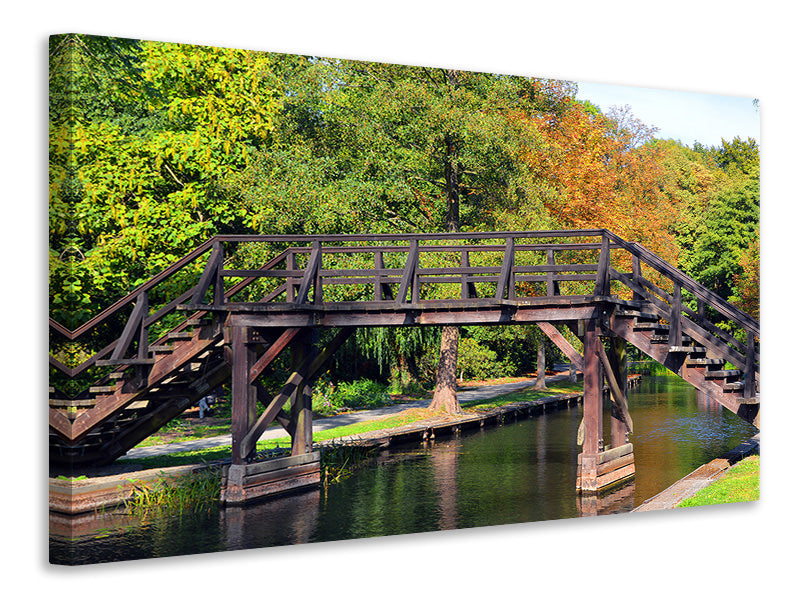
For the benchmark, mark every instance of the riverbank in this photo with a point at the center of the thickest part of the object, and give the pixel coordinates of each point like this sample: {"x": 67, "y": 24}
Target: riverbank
{"x": 701, "y": 477}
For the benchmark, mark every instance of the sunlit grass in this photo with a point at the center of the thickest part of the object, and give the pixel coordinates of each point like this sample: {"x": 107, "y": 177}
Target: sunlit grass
{"x": 741, "y": 483}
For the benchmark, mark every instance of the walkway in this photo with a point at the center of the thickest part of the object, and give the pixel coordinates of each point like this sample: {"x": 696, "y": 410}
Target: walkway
{"x": 321, "y": 424}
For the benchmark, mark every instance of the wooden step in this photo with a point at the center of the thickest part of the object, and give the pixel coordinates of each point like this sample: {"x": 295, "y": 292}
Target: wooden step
{"x": 733, "y": 386}
{"x": 663, "y": 339}
{"x": 687, "y": 349}
{"x": 125, "y": 361}
{"x": 65, "y": 403}
{"x": 117, "y": 375}
{"x": 199, "y": 321}
{"x": 160, "y": 349}
{"x": 649, "y": 325}
{"x": 726, "y": 374}
{"x": 102, "y": 389}
{"x": 698, "y": 362}
{"x": 180, "y": 335}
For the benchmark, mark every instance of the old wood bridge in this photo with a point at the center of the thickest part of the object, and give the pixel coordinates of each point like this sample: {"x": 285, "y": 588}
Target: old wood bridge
{"x": 227, "y": 310}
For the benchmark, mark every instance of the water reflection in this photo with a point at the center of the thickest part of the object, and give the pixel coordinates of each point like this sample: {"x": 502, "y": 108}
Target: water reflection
{"x": 519, "y": 472}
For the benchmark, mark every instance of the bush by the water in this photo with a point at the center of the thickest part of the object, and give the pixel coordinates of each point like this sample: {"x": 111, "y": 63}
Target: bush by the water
{"x": 331, "y": 398}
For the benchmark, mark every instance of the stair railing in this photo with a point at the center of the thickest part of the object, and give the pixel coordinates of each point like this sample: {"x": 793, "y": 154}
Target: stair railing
{"x": 670, "y": 306}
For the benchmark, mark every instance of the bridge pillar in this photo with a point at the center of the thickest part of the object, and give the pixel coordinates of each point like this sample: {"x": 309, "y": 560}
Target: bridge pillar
{"x": 247, "y": 479}
{"x": 619, "y": 366}
{"x": 243, "y": 393}
{"x": 600, "y": 466}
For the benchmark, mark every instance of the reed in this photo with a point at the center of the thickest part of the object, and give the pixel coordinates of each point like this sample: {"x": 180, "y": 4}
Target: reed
{"x": 195, "y": 492}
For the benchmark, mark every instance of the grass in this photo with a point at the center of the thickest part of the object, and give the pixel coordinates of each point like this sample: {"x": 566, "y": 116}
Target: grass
{"x": 739, "y": 484}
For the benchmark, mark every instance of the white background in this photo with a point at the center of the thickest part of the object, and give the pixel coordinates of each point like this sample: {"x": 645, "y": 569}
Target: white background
{"x": 739, "y": 48}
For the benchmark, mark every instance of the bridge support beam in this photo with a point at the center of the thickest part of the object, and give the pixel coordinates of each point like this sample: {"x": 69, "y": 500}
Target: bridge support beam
{"x": 601, "y": 466}
{"x": 248, "y": 479}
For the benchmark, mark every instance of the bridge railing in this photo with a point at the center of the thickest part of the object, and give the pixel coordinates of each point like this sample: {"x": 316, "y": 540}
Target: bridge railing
{"x": 414, "y": 268}
{"x": 411, "y": 269}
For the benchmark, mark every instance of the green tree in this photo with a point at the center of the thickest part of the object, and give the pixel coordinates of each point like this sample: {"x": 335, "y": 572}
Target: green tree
{"x": 390, "y": 148}
{"x": 140, "y": 184}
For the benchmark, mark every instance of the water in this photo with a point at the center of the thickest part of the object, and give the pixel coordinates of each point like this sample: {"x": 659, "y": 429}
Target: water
{"x": 520, "y": 472}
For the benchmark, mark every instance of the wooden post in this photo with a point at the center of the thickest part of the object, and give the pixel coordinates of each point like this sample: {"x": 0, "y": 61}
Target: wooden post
{"x": 619, "y": 371}
{"x": 219, "y": 285}
{"x": 243, "y": 393}
{"x": 552, "y": 284}
{"x": 301, "y": 418}
{"x": 636, "y": 271}
{"x": 675, "y": 330}
{"x": 601, "y": 284}
{"x": 142, "y": 350}
{"x": 592, "y": 391}
{"x": 505, "y": 282}
{"x": 750, "y": 367}
{"x": 291, "y": 265}
{"x": 467, "y": 289}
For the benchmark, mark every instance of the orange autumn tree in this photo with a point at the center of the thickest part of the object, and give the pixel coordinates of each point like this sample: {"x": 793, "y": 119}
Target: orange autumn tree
{"x": 605, "y": 172}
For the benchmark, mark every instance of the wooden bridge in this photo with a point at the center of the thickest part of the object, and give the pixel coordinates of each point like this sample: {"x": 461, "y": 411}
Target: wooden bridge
{"x": 161, "y": 348}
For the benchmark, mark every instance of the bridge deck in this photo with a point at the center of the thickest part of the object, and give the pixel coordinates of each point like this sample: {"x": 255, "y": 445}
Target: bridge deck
{"x": 473, "y": 311}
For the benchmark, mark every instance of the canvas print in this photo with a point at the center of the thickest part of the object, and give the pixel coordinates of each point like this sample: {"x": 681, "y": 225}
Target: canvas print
{"x": 298, "y": 298}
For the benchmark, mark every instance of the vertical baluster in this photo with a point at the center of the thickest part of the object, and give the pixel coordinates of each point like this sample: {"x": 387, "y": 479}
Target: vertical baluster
{"x": 219, "y": 286}
{"x": 291, "y": 265}
{"x": 675, "y": 329}
{"x": 143, "y": 329}
{"x": 601, "y": 286}
{"x": 636, "y": 268}
{"x": 378, "y": 266}
{"x": 505, "y": 282}
{"x": 750, "y": 367}
{"x": 464, "y": 284}
{"x": 552, "y": 284}
{"x": 317, "y": 298}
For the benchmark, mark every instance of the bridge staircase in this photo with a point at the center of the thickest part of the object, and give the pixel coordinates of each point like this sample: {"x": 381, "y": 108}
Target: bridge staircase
{"x": 137, "y": 381}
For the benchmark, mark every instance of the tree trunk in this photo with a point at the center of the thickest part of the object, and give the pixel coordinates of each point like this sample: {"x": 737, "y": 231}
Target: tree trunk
{"x": 541, "y": 382}
{"x": 444, "y": 395}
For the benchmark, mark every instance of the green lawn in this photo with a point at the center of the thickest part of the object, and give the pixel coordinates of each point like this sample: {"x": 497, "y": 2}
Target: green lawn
{"x": 739, "y": 484}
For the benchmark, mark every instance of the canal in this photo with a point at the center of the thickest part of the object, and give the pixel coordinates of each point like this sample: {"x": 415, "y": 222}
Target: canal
{"x": 519, "y": 472}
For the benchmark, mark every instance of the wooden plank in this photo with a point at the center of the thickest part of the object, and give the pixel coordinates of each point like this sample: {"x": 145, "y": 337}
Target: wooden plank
{"x": 601, "y": 286}
{"x": 592, "y": 391}
{"x": 617, "y": 395}
{"x": 505, "y": 284}
{"x": 310, "y": 274}
{"x": 409, "y": 272}
{"x": 209, "y": 273}
{"x": 272, "y": 352}
{"x": 615, "y": 476}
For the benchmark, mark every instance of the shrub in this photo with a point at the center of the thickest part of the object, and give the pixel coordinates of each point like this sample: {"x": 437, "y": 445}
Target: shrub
{"x": 330, "y": 398}
{"x": 478, "y": 362}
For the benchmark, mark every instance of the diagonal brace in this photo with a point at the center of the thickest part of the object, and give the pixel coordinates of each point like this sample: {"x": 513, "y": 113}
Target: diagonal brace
{"x": 308, "y": 370}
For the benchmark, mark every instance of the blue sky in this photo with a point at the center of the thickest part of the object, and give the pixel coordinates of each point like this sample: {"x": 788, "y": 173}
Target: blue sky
{"x": 684, "y": 116}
